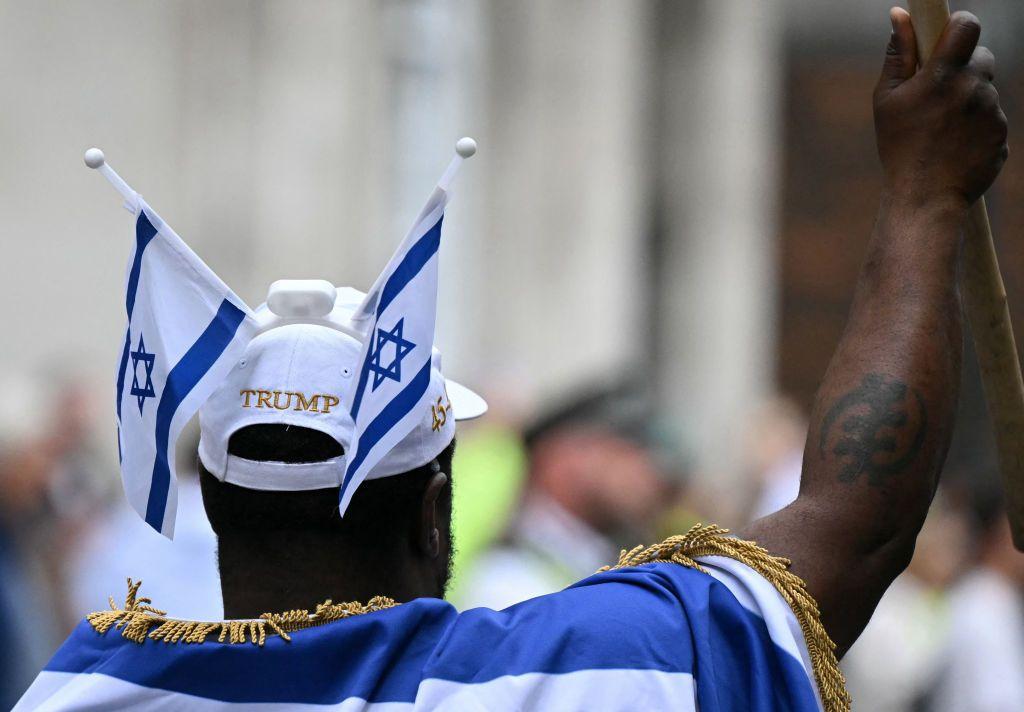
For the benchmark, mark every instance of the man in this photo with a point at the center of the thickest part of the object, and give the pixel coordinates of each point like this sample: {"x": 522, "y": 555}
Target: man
{"x": 984, "y": 652}
{"x": 592, "y": 478}
{"x": 701, "y": 621}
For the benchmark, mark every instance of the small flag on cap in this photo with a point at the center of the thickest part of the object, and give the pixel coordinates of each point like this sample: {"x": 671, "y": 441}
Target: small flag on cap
{"x": 401, "y": 309}
{"x": 185, "y": 330}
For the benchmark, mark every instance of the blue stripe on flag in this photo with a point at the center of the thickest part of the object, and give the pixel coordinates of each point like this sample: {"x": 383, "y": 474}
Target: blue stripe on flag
{"x": 123, "y": 368}
{"x": 364, "y": 373}
{"x": 181, "y": 380}
{"x": 408, "y": 268}
{"x": 394, "y": 411}
{"x": 144, "y": 234}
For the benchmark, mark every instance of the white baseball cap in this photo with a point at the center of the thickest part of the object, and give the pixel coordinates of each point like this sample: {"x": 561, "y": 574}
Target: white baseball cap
{"x": 296, "y": 372}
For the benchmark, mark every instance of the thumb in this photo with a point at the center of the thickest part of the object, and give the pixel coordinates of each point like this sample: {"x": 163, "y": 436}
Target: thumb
{"x": 901, "y": 54}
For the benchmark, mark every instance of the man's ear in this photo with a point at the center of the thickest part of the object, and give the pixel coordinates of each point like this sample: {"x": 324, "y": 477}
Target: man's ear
{"x": 429, "y": 536}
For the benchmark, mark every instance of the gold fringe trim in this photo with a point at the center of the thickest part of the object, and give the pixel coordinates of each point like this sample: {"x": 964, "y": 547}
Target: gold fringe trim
{"x": 711, "y": 540}
{"x": 139, "y": 620}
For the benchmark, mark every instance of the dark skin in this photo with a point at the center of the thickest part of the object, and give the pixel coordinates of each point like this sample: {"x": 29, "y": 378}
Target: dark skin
{"x": 883, "y": 416}
{"x": 322, "y": 565}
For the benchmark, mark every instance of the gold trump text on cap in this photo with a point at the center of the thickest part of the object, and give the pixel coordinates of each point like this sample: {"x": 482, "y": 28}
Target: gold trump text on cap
{"x": 282, "y": 400}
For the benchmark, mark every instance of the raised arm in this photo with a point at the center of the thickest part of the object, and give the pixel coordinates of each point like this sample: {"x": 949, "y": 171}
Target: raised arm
{"x": 883, "y": 416}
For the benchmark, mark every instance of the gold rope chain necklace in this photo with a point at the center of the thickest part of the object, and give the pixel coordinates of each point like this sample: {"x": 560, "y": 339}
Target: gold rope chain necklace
{"x": 138, "y": 616}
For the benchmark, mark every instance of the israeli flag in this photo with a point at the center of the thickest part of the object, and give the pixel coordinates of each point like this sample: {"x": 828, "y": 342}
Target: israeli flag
{"x": 388, "y": 398}
{"x": 658, "y": 636}
{"x": 185, "y": 331}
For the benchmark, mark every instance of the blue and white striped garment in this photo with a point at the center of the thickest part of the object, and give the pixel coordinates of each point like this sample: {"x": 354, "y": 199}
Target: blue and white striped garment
{"x": 654, "y": 637}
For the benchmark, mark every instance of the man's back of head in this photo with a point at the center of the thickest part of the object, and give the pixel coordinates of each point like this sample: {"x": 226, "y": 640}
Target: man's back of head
{"x": 280, "y": 550}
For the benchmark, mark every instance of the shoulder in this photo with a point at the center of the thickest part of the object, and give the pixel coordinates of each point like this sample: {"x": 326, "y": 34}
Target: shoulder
{"x": 616, "y": 631}
{"x": 654, "y": 615}
{"x": 726, "y": 621}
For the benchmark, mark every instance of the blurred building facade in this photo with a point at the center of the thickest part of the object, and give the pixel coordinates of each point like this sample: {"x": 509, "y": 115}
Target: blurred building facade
{"x": 671, "y": 191}
{"x": 676, "y": 190}
{"x": 299, "y": 139}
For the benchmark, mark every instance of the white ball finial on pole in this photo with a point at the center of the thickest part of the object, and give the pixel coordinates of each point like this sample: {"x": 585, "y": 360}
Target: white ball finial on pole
{"x": 465, "y": 147}
{"x": 94, "y": 158}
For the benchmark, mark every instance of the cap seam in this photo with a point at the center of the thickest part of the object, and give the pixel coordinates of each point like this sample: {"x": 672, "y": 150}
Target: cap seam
{"x": 291, "y": 357}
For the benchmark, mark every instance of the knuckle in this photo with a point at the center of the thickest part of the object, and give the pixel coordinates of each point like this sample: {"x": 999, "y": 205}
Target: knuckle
{"x": 971, "y": 95}
{"x": 941, "y": 76}
{"x": 978, "y": 95}
{"x": 983, "y": 54}
{"x": 983, "y": 63}
{"x": 990, "y": 102}
{"x": 985, "y": 94}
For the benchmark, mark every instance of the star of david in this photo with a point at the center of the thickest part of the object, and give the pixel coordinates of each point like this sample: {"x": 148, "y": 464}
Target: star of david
{"x": 147, "y": 359}
{"x": 401, "y": 349}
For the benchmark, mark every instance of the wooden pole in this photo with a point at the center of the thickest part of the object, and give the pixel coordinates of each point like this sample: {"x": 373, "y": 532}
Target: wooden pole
{"x": 987, "y": 312}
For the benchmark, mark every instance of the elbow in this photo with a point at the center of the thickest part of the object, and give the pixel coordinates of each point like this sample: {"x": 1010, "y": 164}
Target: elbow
{"x": 892, "y": 557}
{"x": 881, "y": 539}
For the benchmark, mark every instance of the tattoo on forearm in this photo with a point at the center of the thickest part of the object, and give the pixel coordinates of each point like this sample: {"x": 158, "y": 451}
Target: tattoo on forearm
{"x": 876, "y": 429}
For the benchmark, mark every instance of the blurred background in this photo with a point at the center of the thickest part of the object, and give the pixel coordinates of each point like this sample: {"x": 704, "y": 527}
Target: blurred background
{"x": 646, "y": 269}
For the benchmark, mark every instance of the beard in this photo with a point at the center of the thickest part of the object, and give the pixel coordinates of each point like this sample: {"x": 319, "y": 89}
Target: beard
{"x": 445, "y": 568}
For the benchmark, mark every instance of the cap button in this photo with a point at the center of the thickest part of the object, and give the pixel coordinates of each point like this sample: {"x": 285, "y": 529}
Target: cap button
{"x": 301, "y": 298}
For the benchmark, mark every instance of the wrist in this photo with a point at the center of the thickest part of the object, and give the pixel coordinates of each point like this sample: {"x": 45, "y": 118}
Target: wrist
{"x": 940, "y": 203}
{"x": 919, "y": 229}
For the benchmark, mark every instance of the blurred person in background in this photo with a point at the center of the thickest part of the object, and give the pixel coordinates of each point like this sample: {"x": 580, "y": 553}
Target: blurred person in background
{"x": 593, "y": 480}
{"x": 491, "y": 461}
{"x": 982, "y": 666}
{"x": 893, "y": 665}
{"x": 181, "y": 574}
{"x": 25, "y": 470}
{"x": 44, "y": 460}
{"x": 775, "y": 453}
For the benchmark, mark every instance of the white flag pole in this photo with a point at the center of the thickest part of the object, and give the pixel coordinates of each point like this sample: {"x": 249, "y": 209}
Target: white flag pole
{"x": 95, "y": 159}
{"x": 465, "y": 147}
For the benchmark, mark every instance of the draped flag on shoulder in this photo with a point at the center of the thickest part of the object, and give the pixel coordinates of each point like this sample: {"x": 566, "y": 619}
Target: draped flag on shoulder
{"x": 658, "y": 636}
{"x": 394, "y": 372}
{"x": 185, "y": 330}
